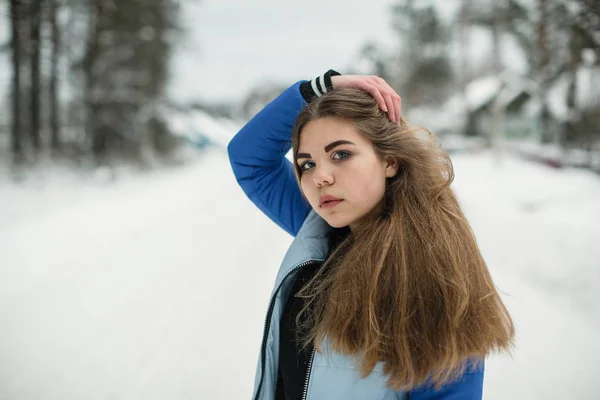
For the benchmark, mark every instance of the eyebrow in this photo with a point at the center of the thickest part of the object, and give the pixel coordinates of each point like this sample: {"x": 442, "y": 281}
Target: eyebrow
{"x": 327, "y": 148}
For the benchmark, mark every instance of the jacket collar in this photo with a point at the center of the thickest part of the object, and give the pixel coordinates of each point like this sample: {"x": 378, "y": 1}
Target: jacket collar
{"x": 310, "y": 244}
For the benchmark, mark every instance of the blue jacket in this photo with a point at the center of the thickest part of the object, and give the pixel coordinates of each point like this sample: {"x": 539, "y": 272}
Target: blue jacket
{"x": 257, "y": 155}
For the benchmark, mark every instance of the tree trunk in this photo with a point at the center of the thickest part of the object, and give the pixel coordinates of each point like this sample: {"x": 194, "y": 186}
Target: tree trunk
{"x": 16, "y": 140}
{"x": 569, "y": 133}
{"x": 95, "y": 135}
{"x": 498, "y": 29}
{"x": 543, "y": 58}
{"x": 55, "y": 53}
{"x": 465, "y": 33}
{"x": 36, "y": 21}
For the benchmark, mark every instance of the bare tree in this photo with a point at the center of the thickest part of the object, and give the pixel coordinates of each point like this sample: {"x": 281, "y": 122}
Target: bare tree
{"x": 424, "y": 72}
{"x": 55, "y": 52}
{"x": 464, "y": 39}
{"x": 91, "y": 57}
{"x": 543, "y": 59}
{"x": 35, "y": 21}
{"x": 498, "y": 30}
{"x": 16, "y": 138}
{"x": 125, "y": 73}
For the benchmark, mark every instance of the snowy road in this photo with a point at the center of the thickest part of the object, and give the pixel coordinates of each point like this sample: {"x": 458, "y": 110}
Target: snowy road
{"x": 156, "y": 287}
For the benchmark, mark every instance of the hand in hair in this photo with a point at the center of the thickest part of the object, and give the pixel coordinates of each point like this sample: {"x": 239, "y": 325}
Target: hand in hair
{"x": 387, "y": 98}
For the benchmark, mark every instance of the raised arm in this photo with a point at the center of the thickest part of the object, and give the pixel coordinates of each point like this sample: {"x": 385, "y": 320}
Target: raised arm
{"x": 257, "y": 155}
{"x": 257, "y": 152}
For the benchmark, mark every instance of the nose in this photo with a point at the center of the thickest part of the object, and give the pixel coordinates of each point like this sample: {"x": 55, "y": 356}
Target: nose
{"x": 322, "y": 177}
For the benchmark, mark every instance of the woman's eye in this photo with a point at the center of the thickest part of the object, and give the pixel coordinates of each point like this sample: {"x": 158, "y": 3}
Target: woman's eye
{"x": 340, "y": 155}
{"x": 305, "y": 166}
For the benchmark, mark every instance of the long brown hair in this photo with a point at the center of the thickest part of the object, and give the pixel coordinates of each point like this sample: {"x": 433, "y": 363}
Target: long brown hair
{"x": 409, "y": 287}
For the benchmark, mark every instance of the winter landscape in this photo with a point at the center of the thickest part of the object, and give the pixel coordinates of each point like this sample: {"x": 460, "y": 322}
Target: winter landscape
{"x": 155, "y": 286}
{"x": 147, "y": 276}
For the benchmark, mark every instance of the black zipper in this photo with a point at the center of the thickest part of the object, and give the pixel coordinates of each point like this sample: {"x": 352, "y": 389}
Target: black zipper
{"x": 263, "y": 347}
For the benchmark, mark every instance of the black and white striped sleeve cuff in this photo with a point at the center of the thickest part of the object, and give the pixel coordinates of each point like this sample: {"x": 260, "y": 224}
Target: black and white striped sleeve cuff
{"x": 317, "y": 87}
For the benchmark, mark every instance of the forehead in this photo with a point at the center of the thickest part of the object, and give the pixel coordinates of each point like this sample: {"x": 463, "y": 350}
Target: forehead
{"x": 320, "y": 132}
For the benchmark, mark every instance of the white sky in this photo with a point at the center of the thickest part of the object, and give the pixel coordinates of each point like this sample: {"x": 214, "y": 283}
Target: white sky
{"x": 233, "y": 45}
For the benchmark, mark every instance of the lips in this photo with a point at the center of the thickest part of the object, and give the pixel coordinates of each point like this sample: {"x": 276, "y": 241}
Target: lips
{"x": 328, "y": 200}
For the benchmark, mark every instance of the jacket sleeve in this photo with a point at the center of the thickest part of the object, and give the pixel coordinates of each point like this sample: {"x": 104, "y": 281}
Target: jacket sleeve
{"x": 468, "y": 387}
{"x": 257, "y": 155}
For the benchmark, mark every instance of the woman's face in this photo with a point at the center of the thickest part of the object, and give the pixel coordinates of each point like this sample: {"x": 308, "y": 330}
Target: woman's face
{"x": 342, "y": 176}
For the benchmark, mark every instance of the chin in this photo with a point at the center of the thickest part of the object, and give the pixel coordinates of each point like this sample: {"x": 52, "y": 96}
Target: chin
{"x": 337, "y": 221}
{"x": 337, "y": 225}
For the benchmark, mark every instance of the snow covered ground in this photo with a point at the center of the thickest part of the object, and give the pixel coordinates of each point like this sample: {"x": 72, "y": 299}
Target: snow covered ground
{"x": 155, "y": 286}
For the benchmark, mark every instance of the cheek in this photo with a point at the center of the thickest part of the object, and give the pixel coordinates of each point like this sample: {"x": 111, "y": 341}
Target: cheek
{"x": 306, "y": 188}
{"x": 369, "y": 187}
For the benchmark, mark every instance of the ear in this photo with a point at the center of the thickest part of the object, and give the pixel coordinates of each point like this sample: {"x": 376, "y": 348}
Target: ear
{"x": 391, "y": 166}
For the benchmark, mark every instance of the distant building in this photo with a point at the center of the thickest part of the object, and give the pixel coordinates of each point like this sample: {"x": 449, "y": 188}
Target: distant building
{"x": 512, "y": 93}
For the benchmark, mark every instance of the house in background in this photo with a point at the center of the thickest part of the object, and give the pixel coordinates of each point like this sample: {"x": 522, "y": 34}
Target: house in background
{"x": 510, "y": 92}
{"x": 465, "y": 121}
{"x": 570, "y": 134}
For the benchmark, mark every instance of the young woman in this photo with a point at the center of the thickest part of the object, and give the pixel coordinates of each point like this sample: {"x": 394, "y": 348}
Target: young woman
{"x": 383, "y": 293}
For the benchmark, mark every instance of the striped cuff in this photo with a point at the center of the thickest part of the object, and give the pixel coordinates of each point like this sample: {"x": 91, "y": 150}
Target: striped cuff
{"x": 318, "y": 86}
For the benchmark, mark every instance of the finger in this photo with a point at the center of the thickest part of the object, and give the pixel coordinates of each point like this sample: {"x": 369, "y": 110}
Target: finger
{"x": 386, "y": 85}
{"x": 397, "y": 108}
{"x": 389, "y": 102}
{"x": 382, "y": 82}
{"x": 376, "y": 94}
{"x": 396, "y": 105}
{"x": 391, "y": 97}
{"x": 400, "y": 104}
{"x": 390, "y": 106}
